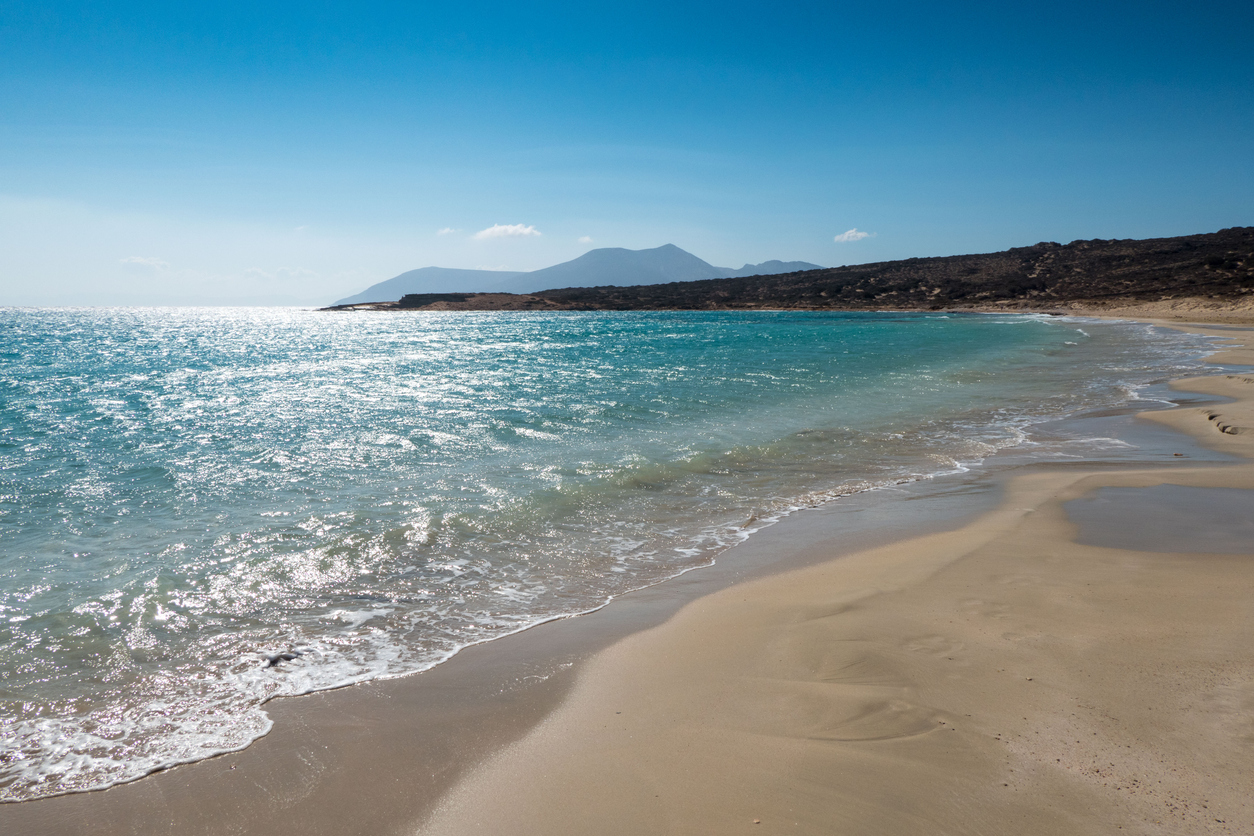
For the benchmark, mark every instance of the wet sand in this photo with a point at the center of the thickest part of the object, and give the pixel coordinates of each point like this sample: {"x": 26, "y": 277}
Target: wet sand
{"x": 946, "y": 658}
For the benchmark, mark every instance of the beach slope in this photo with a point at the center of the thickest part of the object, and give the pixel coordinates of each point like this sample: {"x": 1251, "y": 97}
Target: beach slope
{"x": 1006, "y": 677}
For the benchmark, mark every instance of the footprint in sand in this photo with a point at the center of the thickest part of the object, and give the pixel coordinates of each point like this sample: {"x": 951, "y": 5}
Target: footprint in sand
{"x": 989, "y": 609}
{"x": 858, "y": 669}
{"x": 934, "y": 646}
{"x": 882, "y": 720}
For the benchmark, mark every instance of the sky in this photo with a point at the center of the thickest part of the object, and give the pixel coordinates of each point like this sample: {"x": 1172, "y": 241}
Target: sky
{"x": 296, "y": 153}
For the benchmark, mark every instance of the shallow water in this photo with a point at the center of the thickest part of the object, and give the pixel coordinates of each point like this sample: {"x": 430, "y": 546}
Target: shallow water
{"x": 186, "y": 494}
{"x": 1166, "y": 518}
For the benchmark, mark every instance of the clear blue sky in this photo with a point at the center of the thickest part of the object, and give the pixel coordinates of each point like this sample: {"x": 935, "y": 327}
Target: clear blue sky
{"x": 296, "y": 153}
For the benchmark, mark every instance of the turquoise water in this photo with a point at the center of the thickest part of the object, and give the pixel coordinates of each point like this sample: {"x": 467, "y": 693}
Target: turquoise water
{"x": 186, "y": 494}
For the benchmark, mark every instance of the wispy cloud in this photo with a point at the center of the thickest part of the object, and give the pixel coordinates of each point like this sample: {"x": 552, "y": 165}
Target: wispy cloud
{"x": 147, "y": 261}
{"x": 854, "y": 234}
{"x": 448, "y": 230}
{"x": 507, "y": 231}
{"x": 587, "y": 239}
{"x": 498, "y": 268}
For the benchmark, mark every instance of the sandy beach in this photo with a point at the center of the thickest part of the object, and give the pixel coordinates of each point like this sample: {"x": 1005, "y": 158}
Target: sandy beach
{"x": 1002, "y": 677}
{"x": 626, "y": 420}
{"x": 1052, "y": 652}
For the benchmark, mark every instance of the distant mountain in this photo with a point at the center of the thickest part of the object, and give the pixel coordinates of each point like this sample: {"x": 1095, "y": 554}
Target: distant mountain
{"x": 617, "y": 266}
{"x": 1211, "y": 266}
{"x": 606, "y": 266}
{"x": 766, "y": 268}
{"x": 1215, "y": 269}
{"x": 435, "y": 280}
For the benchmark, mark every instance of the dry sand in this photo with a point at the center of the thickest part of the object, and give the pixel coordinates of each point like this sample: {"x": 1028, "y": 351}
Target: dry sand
{"x": 1185, "y": 309}
{"x": 1001, "y": 678}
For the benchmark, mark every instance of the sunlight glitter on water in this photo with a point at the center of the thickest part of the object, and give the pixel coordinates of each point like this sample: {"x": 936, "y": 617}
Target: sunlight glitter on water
{"x": 188, "y": 493}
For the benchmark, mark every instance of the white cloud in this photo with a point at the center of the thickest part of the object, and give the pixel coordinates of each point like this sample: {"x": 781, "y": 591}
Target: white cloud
{"x": 448, "y": 230}
{"x": 853, "y": 235}
{"x": 147, "y": 261}
{"x": 497, "y": 268}
{"x": 587, "y": 239}
{"x": 507, "y": 231}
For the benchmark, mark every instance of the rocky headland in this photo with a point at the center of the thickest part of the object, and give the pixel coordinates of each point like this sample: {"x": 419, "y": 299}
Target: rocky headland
{"x": 1210, "y": 274}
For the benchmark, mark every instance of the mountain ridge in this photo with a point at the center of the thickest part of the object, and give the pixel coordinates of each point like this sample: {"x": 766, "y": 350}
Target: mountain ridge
{"x": 1215, "y": 268}
{"x": 605, "y": 265}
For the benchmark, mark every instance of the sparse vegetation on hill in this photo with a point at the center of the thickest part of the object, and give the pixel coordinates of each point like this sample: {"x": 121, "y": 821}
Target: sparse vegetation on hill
{"x": 1217, "y": 265}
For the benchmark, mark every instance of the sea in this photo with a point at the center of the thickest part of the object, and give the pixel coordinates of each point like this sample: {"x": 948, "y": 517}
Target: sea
{"x": 204, "y": 509}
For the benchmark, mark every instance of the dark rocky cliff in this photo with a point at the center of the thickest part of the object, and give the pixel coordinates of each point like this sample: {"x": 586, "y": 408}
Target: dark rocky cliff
{"x": 1214, "y": 265}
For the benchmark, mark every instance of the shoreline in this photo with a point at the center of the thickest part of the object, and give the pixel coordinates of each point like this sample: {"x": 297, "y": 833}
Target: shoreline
{"x": 542, "y": 679}
{"x": 1186, "y": 311}
{"x": 954, "y": 682}
{"x": 456, "y": 714}
{"x": 1182, "y": 310}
